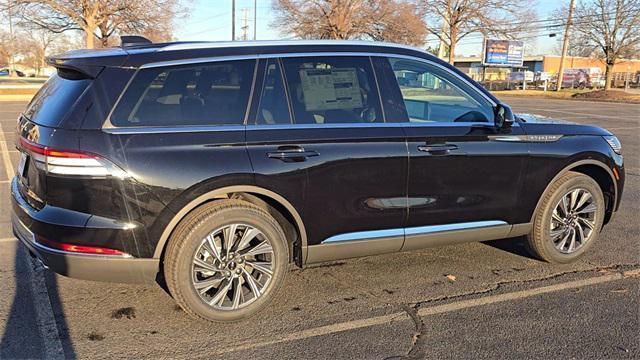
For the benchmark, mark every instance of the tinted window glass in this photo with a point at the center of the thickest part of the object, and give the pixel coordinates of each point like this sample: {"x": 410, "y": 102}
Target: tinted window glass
{"x": 434, "y": 95}
{"x": 54, "y": 99}
{"x": 204, "y": 94}
{"x": 273, "y": 108}
{"x": 327, "y": 90}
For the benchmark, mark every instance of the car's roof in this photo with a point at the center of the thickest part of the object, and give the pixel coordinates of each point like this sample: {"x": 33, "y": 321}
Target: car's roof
{"x": 138, "y": 55}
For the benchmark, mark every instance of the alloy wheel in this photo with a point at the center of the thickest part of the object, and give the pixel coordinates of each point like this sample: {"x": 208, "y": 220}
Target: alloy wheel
{"x": 573, "y": 221}
{"x": 232, "y": 267}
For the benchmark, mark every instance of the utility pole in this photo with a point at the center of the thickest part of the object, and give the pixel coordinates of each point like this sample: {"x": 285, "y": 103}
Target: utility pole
{"x": 245, "y": 24}
{"x": 12, "y": 44}
{"x": 443, "y": 34}
{"x": 233, "y": 20}
{"x": 565, "y": 46}
{"x": 255, "y": 18}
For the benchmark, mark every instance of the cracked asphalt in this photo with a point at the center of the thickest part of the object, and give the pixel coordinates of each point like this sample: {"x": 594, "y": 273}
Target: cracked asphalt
{"x": 478, "y": 300}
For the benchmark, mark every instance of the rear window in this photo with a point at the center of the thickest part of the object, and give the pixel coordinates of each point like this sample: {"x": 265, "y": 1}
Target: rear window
{"x": 54, "y": 100}
{"x": 203, "y": 94}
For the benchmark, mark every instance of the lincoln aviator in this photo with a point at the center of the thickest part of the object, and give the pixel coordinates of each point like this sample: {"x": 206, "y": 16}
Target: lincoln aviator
{"x": 213, "y": 167}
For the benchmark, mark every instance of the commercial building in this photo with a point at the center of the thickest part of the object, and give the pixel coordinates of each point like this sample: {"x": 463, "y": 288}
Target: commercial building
{"x": 473, "y": 67}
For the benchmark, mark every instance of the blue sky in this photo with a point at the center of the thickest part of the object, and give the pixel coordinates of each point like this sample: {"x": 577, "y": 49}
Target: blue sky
{"x": 211, "y": 20}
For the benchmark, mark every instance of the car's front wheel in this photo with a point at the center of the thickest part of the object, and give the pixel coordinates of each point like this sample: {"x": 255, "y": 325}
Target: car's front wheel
{"x": 568, "y": 220}
{"x": 226, "y": 260}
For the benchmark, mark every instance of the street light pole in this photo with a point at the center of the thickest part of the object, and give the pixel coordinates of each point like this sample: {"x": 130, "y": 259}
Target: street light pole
{"x": 255, "y": 18}
{"x": 565, "y": 46}
{"x": 233, "y": 20}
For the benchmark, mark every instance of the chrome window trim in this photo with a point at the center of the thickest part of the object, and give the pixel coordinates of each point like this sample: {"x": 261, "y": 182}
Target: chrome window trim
{"x": 254, "y": 127}
{"x": 109, "y": 127}
{"x": 419, "y": 230}
{"x": 172, "y": 129}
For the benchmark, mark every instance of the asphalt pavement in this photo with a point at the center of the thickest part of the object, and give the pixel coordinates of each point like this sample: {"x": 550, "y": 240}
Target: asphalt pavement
{"x": 478, "y": 300}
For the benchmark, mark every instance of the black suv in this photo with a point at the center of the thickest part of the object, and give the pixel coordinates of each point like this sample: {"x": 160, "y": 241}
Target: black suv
{"x": 214, "y": 166}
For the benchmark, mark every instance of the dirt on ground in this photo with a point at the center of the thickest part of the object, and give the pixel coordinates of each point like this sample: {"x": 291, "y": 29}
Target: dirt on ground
{"x": 585, "y": 95}
{"x": 610, "y": 95}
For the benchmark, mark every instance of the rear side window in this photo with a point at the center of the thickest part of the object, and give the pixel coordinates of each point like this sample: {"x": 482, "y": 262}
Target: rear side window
{"x": 54, "y": 100}
{"x": 326, "y": 90}
{"x": 203, "y": 94}
{"x": 273, "y": 108}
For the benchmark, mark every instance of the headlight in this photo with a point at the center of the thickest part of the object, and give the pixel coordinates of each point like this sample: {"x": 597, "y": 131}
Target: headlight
{"x": 614, "y": 143}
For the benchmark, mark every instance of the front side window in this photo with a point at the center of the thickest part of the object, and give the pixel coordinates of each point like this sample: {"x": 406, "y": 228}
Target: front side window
{"x": 203, "y": 94}
{"x": 329, "y": 90}
{"x": 433, "y": 95}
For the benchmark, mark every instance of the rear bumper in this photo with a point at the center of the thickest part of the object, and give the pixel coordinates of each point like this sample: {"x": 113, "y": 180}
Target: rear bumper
{"x": 112, "y": 268}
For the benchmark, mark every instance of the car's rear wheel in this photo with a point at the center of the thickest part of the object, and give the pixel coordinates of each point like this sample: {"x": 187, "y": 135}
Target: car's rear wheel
{"x": 226, "y": 260}
{"x": 568, "y": 220}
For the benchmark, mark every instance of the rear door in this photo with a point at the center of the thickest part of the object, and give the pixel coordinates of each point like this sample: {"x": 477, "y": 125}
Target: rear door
{"x": 329, "y": 150}
{"x": 461, "y": 174}
{"x": 177, "y": 127}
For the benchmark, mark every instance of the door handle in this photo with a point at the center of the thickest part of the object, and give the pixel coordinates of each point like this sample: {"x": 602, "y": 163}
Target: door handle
{"x": 442, "y": 149}
{"x": 291, "y": 153}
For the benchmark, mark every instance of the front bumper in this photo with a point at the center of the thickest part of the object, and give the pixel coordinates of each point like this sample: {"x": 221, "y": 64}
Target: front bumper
{"x": 112, "y": 268}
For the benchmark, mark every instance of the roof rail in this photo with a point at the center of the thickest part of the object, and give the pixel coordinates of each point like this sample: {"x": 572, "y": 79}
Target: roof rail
{"x": 133, "y": 40}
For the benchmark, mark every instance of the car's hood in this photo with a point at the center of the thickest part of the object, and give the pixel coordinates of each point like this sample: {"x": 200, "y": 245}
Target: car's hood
{"x": 537, "y": 124}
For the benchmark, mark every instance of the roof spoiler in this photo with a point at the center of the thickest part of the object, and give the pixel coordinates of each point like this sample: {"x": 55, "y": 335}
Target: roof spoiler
{"x": 74, "y": 70}
{"x": 133, "y": 40}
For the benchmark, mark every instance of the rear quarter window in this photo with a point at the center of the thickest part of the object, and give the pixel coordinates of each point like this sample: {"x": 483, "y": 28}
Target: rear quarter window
{"x": 54, "y": 100}
{"x": 192, "y": 95}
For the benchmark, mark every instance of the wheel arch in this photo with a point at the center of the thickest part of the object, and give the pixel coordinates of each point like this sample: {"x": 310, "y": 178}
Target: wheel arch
{"x": 598, "y": 171}
{"x": 253, "y": 192}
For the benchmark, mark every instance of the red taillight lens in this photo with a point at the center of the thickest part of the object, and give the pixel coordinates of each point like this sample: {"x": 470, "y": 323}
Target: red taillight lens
{"x": 80, "y": 249}
{"x": 47, "y": 151}
{"x": 64, "y": 162}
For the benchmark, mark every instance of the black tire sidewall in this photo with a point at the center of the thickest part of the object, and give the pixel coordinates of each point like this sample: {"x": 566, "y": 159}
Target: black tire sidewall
{"x": 580, "y": 181}
{"x": 204, "y": 227}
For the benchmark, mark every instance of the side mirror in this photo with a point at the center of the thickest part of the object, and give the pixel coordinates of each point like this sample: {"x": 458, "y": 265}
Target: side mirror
{"x": 503, "y": 118}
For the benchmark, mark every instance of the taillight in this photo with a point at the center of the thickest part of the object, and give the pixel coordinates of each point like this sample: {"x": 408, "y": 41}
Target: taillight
{"x": 64, "y": 162}
{"x": 80, "y": 249}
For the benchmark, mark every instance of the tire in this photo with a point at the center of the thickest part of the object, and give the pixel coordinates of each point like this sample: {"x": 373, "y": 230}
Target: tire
{"x": 546, "y": 239}
{"x": 207, "y": 226}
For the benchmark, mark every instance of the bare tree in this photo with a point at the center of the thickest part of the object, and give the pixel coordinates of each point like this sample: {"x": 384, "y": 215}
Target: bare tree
{"x": 35, "y": 46}
{"x": 388, "y": 20}
{"x": 452, "y": 20}
{"x": 98, "y": 18}
{"x": 5, "y": 51}
{"x": 608, "y": 29}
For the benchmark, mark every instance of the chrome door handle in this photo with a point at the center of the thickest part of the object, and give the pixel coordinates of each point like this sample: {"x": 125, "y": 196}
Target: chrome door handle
{"x": 292, "y": 154}
{"x": 438, "y": 149}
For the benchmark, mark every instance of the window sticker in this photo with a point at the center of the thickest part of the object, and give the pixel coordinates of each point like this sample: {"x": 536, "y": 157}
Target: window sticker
{"x": 330, "y": 89}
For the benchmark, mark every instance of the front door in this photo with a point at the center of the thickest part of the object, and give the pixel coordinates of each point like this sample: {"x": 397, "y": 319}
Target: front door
{"x": 462, "y": 174}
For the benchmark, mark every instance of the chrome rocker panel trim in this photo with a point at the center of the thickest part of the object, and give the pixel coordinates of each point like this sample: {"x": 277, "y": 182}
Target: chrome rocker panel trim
{"x": 365, "y": 243}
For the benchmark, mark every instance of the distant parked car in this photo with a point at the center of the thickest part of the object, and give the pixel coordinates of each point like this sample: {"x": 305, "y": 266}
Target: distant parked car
{"x": 4, "y": 72}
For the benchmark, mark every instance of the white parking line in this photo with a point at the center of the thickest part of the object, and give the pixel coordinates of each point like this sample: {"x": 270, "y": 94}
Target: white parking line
{"x": 8, "y": 166}
{"x": 426, "y": 311}
{"x": 7, "y": 240}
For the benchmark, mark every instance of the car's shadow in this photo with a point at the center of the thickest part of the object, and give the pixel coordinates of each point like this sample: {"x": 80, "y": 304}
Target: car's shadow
{"x": 516, "y": 246}
{"x": 23, "y": 336}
